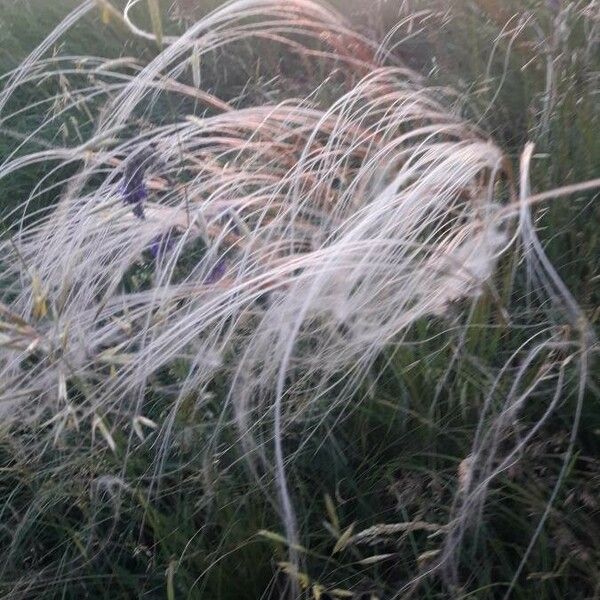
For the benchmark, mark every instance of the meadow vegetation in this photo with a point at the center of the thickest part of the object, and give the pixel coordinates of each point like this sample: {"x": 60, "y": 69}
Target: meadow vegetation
{"x": 299, "y": 300}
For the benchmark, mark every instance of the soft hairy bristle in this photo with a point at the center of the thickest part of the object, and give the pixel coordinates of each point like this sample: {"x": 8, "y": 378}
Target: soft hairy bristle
{"x": 285, "y": 240}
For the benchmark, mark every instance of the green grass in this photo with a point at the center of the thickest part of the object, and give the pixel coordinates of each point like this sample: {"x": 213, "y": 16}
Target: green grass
{"x": 91, "y": 524}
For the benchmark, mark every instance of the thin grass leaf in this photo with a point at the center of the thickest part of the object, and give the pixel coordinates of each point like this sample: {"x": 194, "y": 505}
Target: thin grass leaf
{"x": 171, "y": 579}
{"x": 156, "y": 19}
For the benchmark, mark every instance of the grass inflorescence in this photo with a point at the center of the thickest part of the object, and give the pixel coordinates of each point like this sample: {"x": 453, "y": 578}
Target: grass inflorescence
{"x": 295, "y": 303}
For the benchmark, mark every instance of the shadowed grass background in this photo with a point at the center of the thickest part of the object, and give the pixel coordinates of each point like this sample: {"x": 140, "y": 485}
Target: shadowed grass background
{"x": 209, "y": 532}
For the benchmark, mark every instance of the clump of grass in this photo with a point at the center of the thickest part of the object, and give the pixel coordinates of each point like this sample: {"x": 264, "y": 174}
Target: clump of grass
{"x": 269, "y": 249}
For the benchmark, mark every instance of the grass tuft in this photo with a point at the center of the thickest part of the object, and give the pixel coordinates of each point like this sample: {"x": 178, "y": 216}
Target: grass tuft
{"x": 297, "y": 299}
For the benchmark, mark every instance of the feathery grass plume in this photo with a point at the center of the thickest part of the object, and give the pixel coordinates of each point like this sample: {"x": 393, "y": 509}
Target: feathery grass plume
{"x": 304, "y": 237}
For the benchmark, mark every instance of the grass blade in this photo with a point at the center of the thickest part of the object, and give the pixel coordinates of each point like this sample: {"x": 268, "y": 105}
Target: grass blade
{"x": 157, "y": 27}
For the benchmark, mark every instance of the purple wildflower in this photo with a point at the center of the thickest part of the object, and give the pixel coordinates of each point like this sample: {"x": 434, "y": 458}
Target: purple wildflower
{"x": 216, "y": 273}
{"x": 134, "y": 193}
{"x": 133, "y": 188}
{"x": 161, "y": 244}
